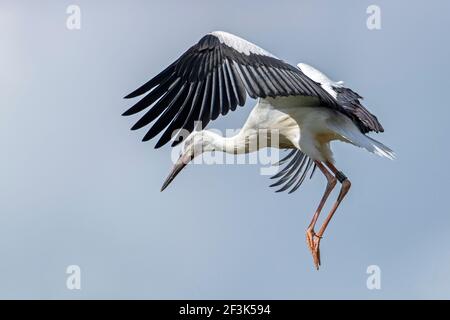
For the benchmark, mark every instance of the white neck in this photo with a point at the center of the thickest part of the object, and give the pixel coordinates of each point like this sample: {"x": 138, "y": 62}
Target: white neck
{"x": 237, "y": 144}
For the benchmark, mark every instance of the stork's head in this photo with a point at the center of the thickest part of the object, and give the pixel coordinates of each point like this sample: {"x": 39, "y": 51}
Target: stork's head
{"x": 194, "y": 145}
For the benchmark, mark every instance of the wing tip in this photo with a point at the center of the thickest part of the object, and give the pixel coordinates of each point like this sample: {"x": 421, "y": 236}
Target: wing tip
{"x": 135, "y": 127}
{"x": 159, "y": 144}
{"x": 129, "y": 96}
{"x": 134, "y": 94}
{"x": 127, "y": 113}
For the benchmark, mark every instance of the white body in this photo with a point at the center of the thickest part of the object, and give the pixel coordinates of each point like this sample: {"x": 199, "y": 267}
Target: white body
{"x": 302, "y": 124}
{"x": 299, "y": 123}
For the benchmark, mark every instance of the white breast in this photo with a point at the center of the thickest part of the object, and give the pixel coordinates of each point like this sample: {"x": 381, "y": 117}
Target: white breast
{"x": 298, "y": 120}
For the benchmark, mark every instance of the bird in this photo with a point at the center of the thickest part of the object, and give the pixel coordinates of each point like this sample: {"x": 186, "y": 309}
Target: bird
{"x": 304, "y": 107}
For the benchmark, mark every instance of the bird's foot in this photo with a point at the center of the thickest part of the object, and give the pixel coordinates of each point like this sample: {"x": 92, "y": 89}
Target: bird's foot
{"x": 313, "y": 241}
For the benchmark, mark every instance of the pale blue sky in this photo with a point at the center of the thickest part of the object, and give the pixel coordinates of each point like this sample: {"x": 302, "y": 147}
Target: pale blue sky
{"x": 77, "y": 187}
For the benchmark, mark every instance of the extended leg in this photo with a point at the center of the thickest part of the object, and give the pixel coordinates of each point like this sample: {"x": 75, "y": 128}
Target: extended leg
{"x": 344, "y": 189}
{"x": 311, "y": 237}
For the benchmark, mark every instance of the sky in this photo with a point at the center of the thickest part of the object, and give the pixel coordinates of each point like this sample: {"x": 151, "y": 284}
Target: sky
{"x": 78, "y": 188}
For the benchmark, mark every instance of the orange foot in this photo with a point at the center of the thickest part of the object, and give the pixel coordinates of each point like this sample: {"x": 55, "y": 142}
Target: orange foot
{"x": 313, "y": 242}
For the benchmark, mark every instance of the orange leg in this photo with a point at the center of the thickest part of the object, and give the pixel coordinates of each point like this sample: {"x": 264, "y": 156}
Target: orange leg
{"x": 310, "y": 233}
{"x": 315, "y": 244}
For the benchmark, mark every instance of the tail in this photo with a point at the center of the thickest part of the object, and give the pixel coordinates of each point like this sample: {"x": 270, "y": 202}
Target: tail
{"x": 354, "y": 136}
{"x": 378, "y": 148}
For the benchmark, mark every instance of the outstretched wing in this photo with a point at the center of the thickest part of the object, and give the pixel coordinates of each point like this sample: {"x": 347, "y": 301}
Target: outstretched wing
{"x": 296, "y": 167}
{"x": 212, "y": 78}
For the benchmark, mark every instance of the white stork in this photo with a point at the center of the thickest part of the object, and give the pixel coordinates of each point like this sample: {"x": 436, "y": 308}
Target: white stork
{"x": 305, "y": 107}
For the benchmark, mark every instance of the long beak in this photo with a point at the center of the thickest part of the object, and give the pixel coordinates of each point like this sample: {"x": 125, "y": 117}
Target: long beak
{"x": 179, "y": 165}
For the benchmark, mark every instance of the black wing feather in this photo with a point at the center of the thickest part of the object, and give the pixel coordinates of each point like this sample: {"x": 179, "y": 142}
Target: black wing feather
{"x": 216, "y": 99}
{"x": 167, "y": 116}
{"x": 162, "y": 76}
{"x": 294, "y": 173}
{"x": 159, "y": 107}
{"x": 350, "y": 101}
{"x": 238, "y": 85}
{"x": 179, "y": 117}
{"x": 193, "y": 114}
{"x": 151, "y": 97}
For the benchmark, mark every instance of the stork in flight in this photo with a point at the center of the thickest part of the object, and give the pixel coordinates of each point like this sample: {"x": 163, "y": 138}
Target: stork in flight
{"x": 305, "y": 107}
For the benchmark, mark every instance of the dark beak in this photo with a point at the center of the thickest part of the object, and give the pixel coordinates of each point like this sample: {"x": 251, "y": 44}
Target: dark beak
{"x": 179, "y": 165}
